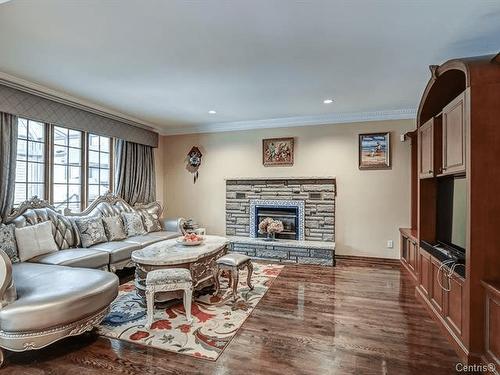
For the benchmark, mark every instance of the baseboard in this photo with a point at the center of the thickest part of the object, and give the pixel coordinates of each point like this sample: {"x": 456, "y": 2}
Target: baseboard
{"x": 412, "y": 274}
{"x": 367, "y": 261}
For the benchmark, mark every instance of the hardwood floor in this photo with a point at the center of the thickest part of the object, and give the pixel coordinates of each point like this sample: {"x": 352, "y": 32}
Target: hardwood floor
{"x": 314, "y": 320}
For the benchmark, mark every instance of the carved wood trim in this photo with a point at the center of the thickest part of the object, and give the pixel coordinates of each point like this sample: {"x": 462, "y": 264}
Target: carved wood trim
{"x": 30, "y": 204}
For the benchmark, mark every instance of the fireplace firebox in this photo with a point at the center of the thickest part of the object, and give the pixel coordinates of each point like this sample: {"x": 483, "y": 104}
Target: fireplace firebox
{"x": 289, "y": 212}
{"x": 289, "y": 216}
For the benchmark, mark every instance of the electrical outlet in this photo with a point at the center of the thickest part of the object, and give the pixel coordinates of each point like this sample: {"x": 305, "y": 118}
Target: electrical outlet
{"x": 390, "y": 244}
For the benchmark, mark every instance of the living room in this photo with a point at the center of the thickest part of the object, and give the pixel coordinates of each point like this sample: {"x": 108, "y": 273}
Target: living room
{"x": 224, "y": 187}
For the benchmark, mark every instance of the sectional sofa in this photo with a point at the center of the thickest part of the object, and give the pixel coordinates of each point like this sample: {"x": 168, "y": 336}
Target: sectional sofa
{"x": 66, "y": 292}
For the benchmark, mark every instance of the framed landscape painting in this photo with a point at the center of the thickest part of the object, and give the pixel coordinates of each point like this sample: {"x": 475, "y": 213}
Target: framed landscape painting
{"x": 277, "y": 152}
{"x": 375, "y": 151}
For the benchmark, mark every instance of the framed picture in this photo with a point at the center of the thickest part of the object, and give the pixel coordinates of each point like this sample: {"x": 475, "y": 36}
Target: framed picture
{"x": 277, "y": 152}
{"x": 375, "y": 151}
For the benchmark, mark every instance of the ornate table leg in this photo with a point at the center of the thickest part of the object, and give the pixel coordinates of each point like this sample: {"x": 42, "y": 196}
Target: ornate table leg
{"x": 235, "y": 276}
{"x": 249, "y": 275}
{"x": 1, "y": 357}
{"x": 216, "y": 272}
{"x": 188, "y": 296}
{"x": 150, "y": 301}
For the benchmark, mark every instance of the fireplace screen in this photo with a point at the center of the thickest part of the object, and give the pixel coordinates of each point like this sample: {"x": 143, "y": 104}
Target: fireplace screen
{"x": 289, "y": 216}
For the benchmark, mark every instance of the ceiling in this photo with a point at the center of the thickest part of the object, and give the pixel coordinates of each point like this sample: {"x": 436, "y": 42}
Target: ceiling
{"x": 258, "y": 63}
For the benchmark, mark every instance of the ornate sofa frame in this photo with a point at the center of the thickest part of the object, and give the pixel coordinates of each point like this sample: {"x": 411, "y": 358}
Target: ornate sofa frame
{"x": 109, "y": 201}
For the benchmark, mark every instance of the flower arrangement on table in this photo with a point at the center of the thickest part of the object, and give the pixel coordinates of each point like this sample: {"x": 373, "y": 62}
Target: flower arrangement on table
{"x": 270, "y": 227}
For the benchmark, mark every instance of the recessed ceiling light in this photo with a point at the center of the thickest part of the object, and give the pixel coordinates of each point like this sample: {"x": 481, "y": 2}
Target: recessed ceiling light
{"x": 212, "y": 112}
{"x": 328, "y": 101}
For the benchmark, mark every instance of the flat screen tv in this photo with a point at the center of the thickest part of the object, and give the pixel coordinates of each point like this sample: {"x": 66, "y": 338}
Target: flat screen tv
{"x": 452, "y": 212}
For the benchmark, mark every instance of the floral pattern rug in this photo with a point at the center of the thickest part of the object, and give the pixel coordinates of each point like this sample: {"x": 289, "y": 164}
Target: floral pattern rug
{"x": 216, "y": 320}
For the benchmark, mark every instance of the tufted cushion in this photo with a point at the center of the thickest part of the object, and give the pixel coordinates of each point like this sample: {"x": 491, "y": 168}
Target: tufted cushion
{"x": 233, "y": 259}
{"x": 168, "y": 276}
{"x": 62, "y": 228}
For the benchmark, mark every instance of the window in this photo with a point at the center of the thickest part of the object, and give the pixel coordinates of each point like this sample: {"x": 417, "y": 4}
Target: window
{"x": 30, "y": 160}
{"x": 67, "y": 169}
{"x": 99, "y": 157}
{"x": 61, "y": 178}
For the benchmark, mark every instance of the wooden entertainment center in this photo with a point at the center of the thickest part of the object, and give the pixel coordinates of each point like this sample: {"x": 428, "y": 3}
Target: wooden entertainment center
{"x": 458, "y": 138}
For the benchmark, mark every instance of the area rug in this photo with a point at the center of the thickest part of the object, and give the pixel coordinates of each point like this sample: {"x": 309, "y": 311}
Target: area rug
{"x": 216, "y": 320}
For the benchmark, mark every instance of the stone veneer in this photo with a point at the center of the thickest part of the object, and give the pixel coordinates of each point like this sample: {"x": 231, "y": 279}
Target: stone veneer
{"x": 317, "y": 193}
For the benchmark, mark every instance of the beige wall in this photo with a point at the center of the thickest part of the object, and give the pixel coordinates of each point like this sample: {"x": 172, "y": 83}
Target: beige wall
{"x": 371, "y": 205}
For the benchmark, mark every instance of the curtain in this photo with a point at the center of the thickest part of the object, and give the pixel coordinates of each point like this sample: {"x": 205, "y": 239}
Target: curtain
{"x": 135, "y": 172}
{"x": 8, "y": 151}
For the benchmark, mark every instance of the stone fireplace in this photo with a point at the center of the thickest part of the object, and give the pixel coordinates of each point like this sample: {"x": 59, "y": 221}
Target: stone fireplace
{"x": 306, "y": 206}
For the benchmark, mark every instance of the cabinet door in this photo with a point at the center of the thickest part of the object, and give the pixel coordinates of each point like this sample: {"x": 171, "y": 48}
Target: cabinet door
{"x": 404, "y": 249}
{"x": 426, "y": 150}
{"x": 425, "y": 266}
{"x": 454, "y": 136}
{"x": 412, "y": 250}
{"x": 436, "y": 292}
{"x": 453, "y": 305}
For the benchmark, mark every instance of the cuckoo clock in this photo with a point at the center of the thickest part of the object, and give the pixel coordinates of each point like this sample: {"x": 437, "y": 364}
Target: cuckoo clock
{"x": 194, "y": 162}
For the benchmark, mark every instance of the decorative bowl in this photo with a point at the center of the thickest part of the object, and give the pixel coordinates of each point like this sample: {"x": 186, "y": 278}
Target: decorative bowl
{"x": 183, "y": 242}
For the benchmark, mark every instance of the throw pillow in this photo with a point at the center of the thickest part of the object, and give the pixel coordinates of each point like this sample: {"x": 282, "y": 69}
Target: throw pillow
{"x": 8, "y": 242}
{"x": 113, "y": 226}
{"x": 151, "y": 223}
{"x": 133, "y": 224}
{"x": 35, "y": 240}
{"x": 91, "y": 231}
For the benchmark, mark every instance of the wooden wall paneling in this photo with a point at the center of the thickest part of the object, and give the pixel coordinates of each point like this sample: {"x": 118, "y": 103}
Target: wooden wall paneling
{"x": 492, "y": 324}
{"x": 414, "y": 178}
{"x": 427, "y": 210}
{"x": 483, "y": 250}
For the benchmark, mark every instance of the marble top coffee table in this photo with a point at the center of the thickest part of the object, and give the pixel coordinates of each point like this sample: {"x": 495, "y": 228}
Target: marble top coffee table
{"x": 200, "y": 260}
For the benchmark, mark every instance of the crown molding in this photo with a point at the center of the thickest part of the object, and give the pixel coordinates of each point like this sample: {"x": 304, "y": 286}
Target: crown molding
{"x": 63, "y": 98}
{"x": 287, "y": 122}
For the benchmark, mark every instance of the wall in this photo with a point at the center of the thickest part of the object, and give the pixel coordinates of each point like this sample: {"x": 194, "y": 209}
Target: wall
{"x": 370, "y": 206}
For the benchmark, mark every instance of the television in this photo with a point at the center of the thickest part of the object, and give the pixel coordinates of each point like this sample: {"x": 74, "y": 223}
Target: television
{"x": 452, "y": 213}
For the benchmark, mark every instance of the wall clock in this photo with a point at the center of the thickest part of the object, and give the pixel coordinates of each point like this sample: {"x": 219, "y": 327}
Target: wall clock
{"x": 194, "y": 162}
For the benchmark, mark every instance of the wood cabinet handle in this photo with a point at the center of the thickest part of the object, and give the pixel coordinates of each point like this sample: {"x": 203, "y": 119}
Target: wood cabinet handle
{"x": 430, "y": 172}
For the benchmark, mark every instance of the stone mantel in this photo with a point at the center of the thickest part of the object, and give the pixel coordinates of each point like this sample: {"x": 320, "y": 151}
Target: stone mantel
{"x": 284, "y": 243}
